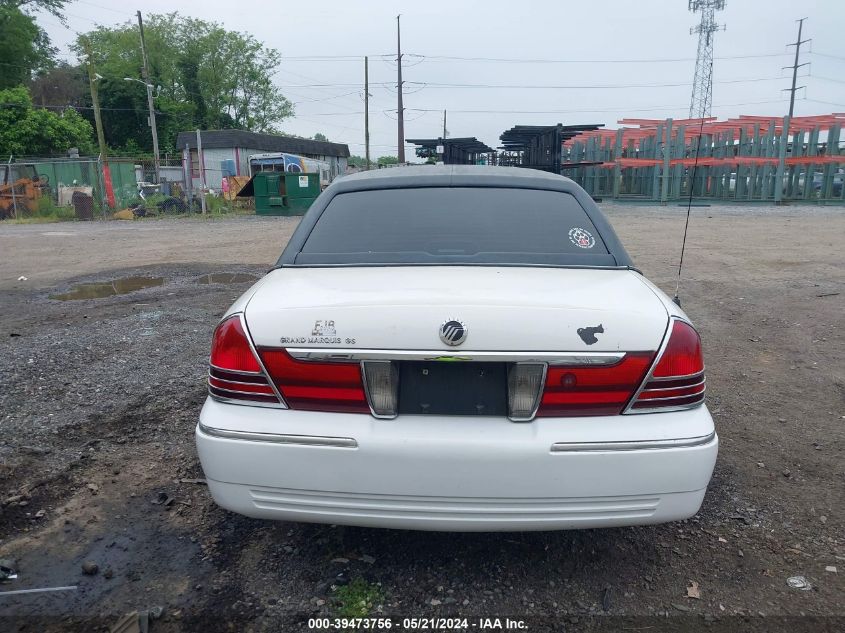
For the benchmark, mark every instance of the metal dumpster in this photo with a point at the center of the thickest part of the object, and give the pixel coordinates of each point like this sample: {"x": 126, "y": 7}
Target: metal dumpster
{"x": 282, "y": 193}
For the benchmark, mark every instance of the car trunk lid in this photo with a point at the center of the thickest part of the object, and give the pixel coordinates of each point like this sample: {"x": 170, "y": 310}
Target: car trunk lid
{"x": 502, "y": 309}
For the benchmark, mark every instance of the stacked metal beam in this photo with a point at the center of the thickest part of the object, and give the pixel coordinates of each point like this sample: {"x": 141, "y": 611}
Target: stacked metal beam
{"x": 746, "y": 158}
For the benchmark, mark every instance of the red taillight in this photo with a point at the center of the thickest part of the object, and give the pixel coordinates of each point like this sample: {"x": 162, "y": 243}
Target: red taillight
{"x": 682, "y": 356}
{"x": 316, "y": 386}
{"x": 234, "y": 373}
{"x": 678, "y": 378}
{"x": 594, "y": 390}
{"x": 230, "y": 348}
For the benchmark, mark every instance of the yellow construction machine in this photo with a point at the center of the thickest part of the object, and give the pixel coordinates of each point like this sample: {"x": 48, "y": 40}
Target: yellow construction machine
{"x": 20, "y": 189}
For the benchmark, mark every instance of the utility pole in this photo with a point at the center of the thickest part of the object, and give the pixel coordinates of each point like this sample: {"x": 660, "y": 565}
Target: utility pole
{"x": 201, "y": 164}
{"x": 95, "y": 97}
{"x": 795, "y": 66}
{"x": 93, "y": 77}
{"x": 400, "y": 107}
{"x": 146, "y": 73}
{"x": 444, "y": 124}
{"x": 367, "y": 111}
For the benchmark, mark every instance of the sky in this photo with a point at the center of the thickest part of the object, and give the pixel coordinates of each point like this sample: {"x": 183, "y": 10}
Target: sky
{"x": 569, "y": 62}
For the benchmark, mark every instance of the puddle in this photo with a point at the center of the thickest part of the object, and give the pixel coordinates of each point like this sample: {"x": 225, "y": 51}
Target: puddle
{"x": 227, "y": 278}
{"x": 109, "y": 288}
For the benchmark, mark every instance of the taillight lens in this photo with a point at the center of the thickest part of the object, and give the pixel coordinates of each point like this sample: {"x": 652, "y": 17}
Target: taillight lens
{"x": 678, "y": 378}
{"x": 382, "y": 378}
{"x": 525, "y": 383}
{"x": 234, "y": 373}
{"x": 316, "y": 386}
{"x": 593, "y": 390}
{"x": 230, "y": 348}
{"x": 682, "y": 356}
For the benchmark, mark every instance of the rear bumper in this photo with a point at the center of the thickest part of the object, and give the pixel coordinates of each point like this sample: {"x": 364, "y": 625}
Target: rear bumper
{"x": 457, "y": 473}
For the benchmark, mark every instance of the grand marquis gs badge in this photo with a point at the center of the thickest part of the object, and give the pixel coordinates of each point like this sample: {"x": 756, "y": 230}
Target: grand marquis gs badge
{"x": 453, "y": 332}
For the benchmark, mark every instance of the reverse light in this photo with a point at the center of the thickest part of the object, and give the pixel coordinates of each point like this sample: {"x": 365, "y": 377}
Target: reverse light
{"x": 234, "y": 373}
{"x": 381, "y": 378}
{"x": 677, "y": 381}
{"x": 525, "y": 386}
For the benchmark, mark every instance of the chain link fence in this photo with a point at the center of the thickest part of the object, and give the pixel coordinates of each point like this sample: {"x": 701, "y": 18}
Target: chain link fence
{"x": 37, "y": 186}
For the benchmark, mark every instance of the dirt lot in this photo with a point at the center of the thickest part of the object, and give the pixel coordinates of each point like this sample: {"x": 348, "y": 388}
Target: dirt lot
{"x": 99, "y": 397}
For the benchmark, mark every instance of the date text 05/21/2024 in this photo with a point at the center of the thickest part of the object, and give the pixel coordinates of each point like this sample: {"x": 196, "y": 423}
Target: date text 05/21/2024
{"x": 417, "y": 624}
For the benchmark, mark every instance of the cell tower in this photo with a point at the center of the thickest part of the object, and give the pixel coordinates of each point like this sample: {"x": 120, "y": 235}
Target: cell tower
{"x": 702, "y": 85}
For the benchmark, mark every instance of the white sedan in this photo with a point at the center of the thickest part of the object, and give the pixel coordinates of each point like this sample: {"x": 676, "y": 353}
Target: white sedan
{"x": 461, "y": 349}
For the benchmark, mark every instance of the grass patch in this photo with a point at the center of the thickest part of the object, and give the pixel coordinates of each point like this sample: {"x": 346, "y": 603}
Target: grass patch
{"x": 357, "y": 599}
{"x": 46, "y": 211}
{"x": 216, "y": 207}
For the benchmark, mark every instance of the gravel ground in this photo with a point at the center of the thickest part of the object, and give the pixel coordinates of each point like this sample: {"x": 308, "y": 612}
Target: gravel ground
{"x": 99, "y": 397}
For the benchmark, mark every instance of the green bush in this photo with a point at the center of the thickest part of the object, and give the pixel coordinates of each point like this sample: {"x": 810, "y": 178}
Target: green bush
{"x": 49, "y": 210}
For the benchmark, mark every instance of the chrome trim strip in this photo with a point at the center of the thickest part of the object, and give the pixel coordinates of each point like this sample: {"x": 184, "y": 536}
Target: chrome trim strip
{"x": 238, "y": 382}
{"x": 630, "y": 410}
{"x": 538, "y": 398}
{"x": 245, "y": 403}
{"x": 270, "y": 381}
{"x": 679, "y": 407}
{"x": 280, "y": 438}
{"x": 637, "y": 445}
{"x": 662, "y": 348}
{"x": 235, "y": 371}
{"x": 656, "y": 389}
{"x": 246, "y": 393}
{"x": 686, "y": 377}
{"x": 683, "y": 397}
{"x": 552, "y": 358}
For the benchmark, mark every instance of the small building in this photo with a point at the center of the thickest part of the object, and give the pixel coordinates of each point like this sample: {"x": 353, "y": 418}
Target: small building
{"x": 227, "y": 152}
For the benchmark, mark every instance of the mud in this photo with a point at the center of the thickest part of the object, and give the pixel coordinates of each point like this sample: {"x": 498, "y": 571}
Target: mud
{"x": 120, "y": 286}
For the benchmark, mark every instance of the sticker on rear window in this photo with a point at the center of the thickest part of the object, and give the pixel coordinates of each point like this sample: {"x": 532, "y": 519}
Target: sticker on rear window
{"x": 582, "y": 238}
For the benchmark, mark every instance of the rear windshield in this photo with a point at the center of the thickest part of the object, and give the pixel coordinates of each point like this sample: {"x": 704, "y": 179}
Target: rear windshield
{"x": 449, "y": 225}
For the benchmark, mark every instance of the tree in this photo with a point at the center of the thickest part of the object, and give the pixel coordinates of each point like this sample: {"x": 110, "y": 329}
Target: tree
{"x": 29, "y": 131}
{"x": 388, "y": 160}
{"x": 357, "y": 161}
{"x": 61, "y": 85}
{"x": 209, "y": 78}
{"x": 319, "y": 136}
{"x": 54, "y": 7}
{"x": 24, "y": 46}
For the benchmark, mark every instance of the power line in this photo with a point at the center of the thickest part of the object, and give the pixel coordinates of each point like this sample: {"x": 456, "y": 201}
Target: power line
{"x": 100, "y": 6}
{"x": 652, "y": 60}
{"x": 345, "y": 94}
{"x": 826, "y": 55}
{"x": 622, "y": 108}
{"x": 72, "y": 107}
{"x": 584, "y": 86}
{"x": 836, "y": 81}
{"x": 831, "y": 103}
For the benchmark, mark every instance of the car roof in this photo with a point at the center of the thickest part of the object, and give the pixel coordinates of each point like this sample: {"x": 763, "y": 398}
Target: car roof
{"x": 453, "y": 176}
{"x": 430, "y": 176}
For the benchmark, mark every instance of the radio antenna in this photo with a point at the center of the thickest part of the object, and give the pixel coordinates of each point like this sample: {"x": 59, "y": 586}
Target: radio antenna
{"x": 677, "y": 298}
